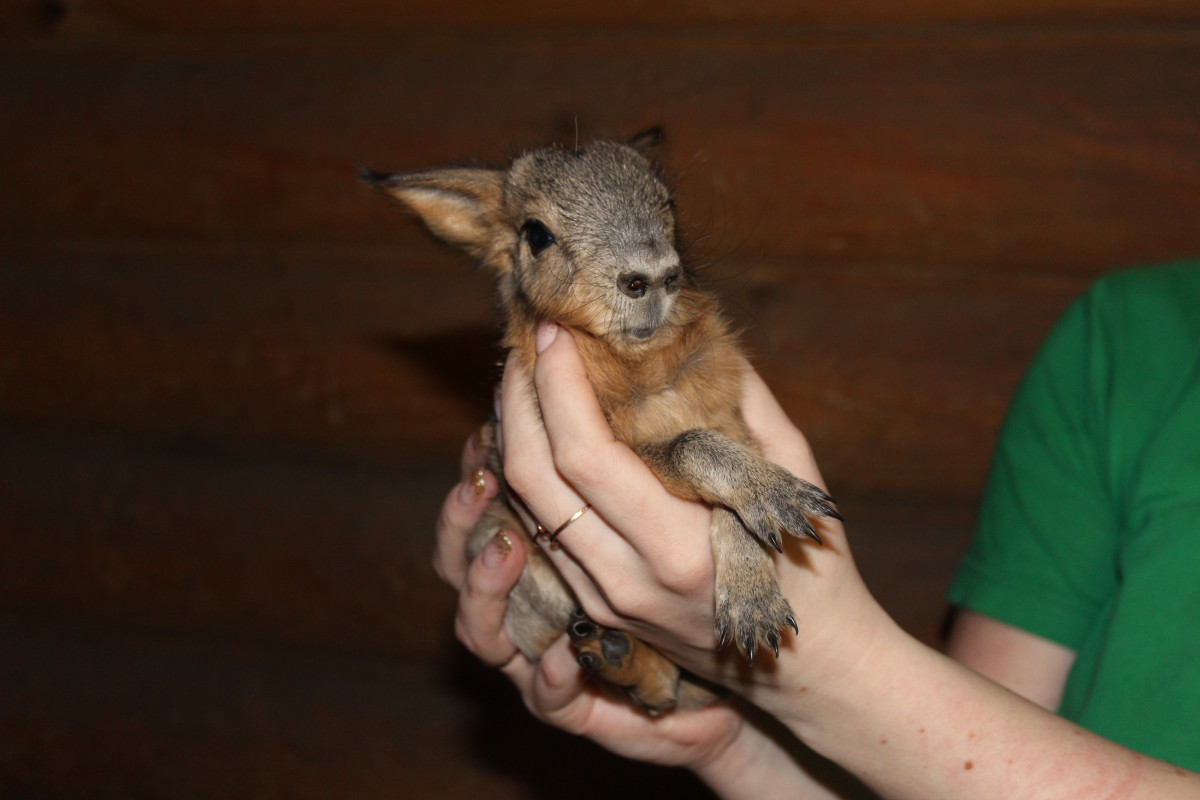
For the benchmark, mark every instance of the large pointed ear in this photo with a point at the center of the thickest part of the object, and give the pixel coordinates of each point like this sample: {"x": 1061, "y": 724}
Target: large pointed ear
{"x": 647, "y": 142}
{"x": 459, "y": 204}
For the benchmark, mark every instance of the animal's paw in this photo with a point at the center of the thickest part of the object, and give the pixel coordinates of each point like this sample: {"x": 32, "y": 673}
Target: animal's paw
{"x": 753, "y": 619}
{"x": 782, "y": 502}
{"x": 651, "y": 681}
{"x": 599, "y": 648}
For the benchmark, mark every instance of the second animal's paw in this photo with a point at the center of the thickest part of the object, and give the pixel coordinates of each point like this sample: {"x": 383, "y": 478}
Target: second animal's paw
{"x": 782, "y": 502}
{"x": 651, "y": 681}
{"x": 753, "y": 619}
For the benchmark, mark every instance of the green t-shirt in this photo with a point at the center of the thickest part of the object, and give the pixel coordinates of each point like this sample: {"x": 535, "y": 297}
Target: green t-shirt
{"x": 1089, "y": 533}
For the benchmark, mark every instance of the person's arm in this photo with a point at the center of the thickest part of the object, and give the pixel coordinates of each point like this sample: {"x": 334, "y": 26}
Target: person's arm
{"x": 1022, "y": 662}
{"x": 907, "y": 720}
{"x": 912, "y": 723}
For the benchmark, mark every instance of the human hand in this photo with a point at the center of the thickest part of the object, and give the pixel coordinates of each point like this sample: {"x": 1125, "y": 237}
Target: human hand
{"x": 729, "y": 750}
{"x": 555, "y": 688}
{"x": 642, "y": 560}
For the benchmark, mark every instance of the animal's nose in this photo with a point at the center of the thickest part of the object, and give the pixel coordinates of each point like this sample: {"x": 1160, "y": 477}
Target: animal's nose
{"x": 636, "y": 284}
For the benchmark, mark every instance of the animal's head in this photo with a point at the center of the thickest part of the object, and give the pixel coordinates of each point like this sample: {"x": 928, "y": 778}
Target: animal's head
{"x": 583, "y": 237}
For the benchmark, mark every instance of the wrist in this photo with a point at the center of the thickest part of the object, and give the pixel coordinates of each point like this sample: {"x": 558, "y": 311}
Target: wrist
{"x": 766, "y": 760}
{"x": 843, "y": 639}
{"x": 824, "y": 706}
{"x": 750, "y": 765}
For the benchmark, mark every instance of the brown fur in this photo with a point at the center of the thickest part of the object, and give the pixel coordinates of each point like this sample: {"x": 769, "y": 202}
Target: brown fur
{"x": 586, "y": 238}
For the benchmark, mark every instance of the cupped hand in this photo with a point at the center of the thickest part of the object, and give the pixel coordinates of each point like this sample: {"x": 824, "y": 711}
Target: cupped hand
{"x": 640, "y": 560}
{"x": 555, "y": 688}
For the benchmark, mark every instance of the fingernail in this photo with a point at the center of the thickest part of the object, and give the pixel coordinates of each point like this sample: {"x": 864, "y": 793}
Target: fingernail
{"x": 478, "y": 484}
{"x": 483, "y": 437}
{"x": 546, "y": 334}
{"x": 472, "y": 488}
{"x": 496, "y": 550}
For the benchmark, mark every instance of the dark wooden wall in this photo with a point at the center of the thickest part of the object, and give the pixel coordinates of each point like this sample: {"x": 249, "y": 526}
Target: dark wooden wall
{"x": 234, "y": 382}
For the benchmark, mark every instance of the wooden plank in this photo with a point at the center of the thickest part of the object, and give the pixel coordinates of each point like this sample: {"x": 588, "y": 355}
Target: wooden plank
{"x": 125, "y": 17}
{"x": 900, "y": 382}
{"x": 329, "y": 556}
{"x": 366, "y": 361}
{"x": 1053, "y": 153}
{"x": 104, "y": 714}
{"x": 907, "y": 548}
{"x": 361, "y": 359}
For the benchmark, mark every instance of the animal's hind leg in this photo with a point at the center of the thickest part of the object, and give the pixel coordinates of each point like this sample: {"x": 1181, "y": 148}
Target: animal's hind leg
{"x": 647, "y": 676}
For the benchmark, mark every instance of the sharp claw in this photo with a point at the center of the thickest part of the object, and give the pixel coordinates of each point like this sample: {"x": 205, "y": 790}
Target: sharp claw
{"x": 774, "y": 640}
{"x": 750, "y": 649}
{"x": 581, "y": 629}
{"x": 776, "y": 542}
{"x": 832, "y": 512}
{"x": 791, "y": 620}
{"x": 807, "y": 529}
{"x": 724, "y": 638}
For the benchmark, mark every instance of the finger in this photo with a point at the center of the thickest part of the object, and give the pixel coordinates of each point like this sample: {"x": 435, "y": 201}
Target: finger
{"x": 553, "y": 688}
{"x": 557, "y": 693}
{"x": 460, "y": 511}
{"x": 475, "y": 451}
{"x": 559, "y": 681}
{"x": 531, "y": 472}
{"x": 612, "y": 477}
{"x": 483, "y": 601}
{"x": 528, "y": 461}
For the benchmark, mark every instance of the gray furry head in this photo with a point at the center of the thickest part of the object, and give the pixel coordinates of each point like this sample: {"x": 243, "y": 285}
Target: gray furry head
{"x": 584, "y": 237}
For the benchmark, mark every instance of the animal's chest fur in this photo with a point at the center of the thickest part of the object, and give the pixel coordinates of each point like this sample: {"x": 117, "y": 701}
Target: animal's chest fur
{"x": 692, "y": 381}
{"x": 678, "y": 390}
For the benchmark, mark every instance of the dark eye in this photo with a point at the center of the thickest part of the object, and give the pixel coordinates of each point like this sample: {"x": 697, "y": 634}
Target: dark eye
{"x": 633, "y": 285}
{"x": 537, "y": 236}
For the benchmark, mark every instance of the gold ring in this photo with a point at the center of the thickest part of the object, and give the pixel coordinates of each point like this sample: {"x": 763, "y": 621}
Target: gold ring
{"x": 545, "y": 535}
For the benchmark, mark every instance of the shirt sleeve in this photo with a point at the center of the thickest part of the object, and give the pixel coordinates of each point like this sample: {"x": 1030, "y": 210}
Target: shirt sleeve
{"x": 1044, "y": 554}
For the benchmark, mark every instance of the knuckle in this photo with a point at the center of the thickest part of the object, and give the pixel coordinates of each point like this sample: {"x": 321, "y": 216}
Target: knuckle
{"x": 462, "y": 632}
{"x": 438, "y": 569}
{"x": 578, "y": 464}
{"x": 686, "y": 574}
{"x": 607, "y": 618}
{"x": 520, "y": 474}
{"x": 473, "y": 595}
{"x": 626, "y": 603}
{"x": 602, "y": 614}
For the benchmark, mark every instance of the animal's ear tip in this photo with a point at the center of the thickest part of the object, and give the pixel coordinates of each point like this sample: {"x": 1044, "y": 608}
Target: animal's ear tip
{"x": 648, "y": 138}
{"x": 374, "y": 178}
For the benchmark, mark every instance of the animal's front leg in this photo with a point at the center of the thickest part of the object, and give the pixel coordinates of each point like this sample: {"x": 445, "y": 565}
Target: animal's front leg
{"x": 702, "y": 464}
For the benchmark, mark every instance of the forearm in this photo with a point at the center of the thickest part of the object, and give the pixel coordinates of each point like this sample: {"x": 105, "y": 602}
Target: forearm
{"x": 912, "y": 723}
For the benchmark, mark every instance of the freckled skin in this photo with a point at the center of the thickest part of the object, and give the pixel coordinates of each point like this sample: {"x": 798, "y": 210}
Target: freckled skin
{"x": 586, "y": 238}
